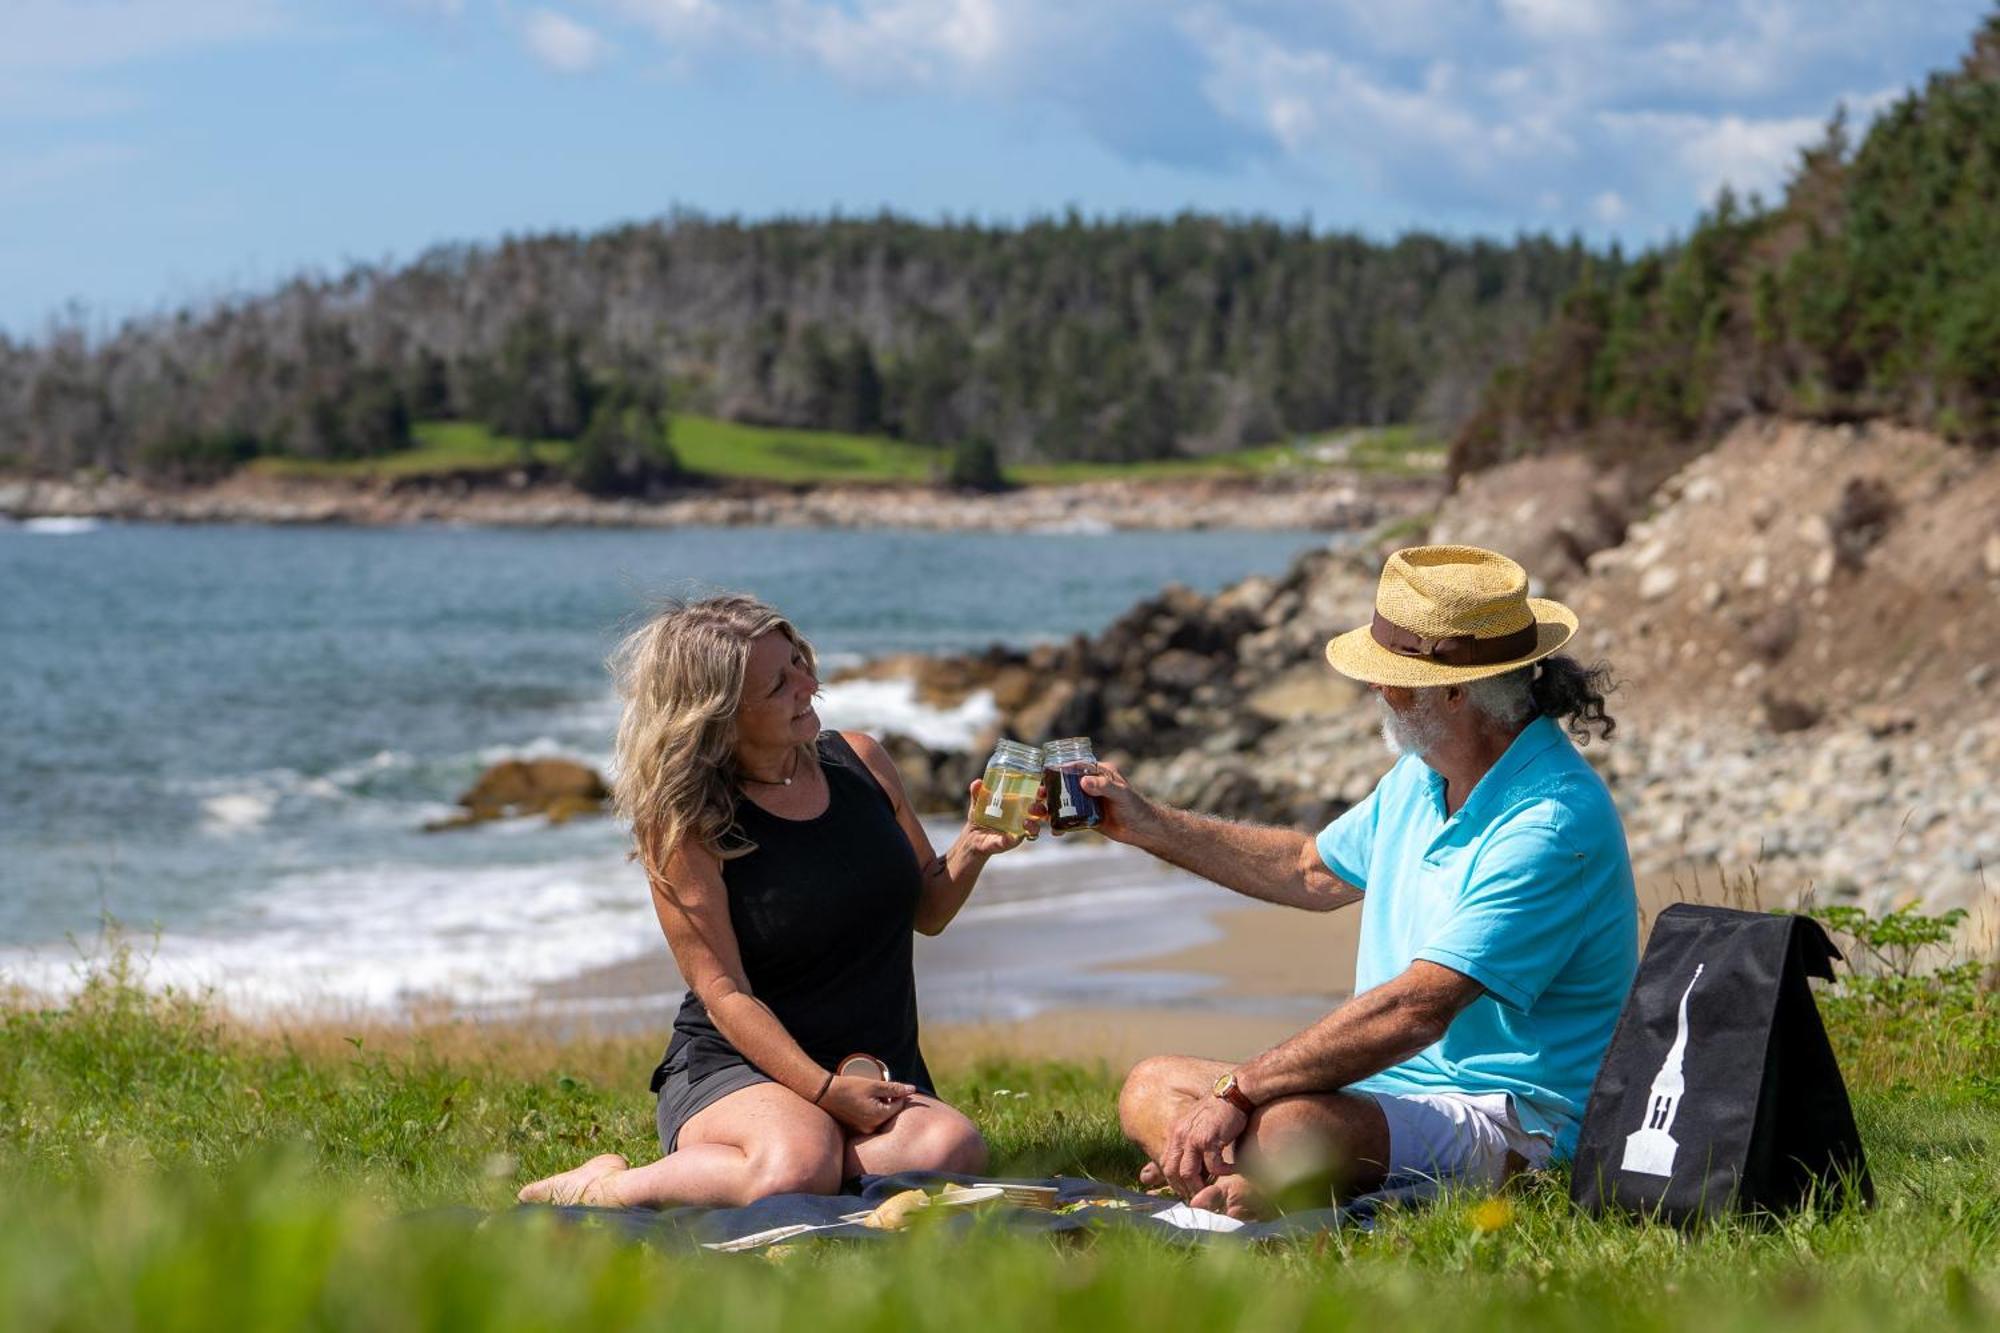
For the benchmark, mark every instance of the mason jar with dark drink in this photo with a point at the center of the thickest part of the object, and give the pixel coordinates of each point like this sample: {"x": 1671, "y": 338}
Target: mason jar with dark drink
{"x": 1065, "y": 762}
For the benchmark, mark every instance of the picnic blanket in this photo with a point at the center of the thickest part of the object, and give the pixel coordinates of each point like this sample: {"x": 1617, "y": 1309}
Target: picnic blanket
{"x": 786, "y": 1218}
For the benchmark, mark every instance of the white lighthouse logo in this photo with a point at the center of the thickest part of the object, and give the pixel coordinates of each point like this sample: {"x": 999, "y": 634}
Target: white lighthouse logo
{"x": 1650, "y": 1151}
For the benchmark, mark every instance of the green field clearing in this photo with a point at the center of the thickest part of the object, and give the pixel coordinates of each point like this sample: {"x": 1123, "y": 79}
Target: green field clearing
{"x": 728, "y": 450}
{"x": 442, "y": 447}
{"x": 179, "y": 1172}
{"x": 1381, "y": 451}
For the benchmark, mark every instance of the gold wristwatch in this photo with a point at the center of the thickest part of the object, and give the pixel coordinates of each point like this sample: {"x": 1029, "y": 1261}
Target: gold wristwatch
{"x": 1227, "y": 1088}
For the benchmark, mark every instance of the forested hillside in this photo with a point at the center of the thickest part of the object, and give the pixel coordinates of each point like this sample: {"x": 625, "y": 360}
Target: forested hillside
{"x": 1059, "y": 340}
{"x": 1871, "y": 291}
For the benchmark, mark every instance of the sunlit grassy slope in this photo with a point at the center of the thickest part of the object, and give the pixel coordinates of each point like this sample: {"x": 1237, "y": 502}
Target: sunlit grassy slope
{"x": 728, "y": 450}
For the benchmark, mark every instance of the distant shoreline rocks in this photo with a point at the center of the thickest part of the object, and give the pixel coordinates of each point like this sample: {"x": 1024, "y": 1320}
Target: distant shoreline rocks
{"x": 1329, "y": 502}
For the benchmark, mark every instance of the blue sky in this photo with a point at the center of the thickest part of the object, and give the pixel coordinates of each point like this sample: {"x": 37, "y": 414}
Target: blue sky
{"x": 159, "y": 152}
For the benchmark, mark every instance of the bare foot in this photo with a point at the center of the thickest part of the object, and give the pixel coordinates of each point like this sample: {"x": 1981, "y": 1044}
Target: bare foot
{"x": 1234, "y": 1195}
{"x": 574, "y": 1185}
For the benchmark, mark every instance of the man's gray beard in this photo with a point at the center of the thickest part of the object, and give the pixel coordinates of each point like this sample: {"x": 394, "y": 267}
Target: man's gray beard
{"x": 1416, "y": 732}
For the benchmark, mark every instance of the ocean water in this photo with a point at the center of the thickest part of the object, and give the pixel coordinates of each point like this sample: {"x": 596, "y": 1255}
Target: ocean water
{"x": 227, "y": 739}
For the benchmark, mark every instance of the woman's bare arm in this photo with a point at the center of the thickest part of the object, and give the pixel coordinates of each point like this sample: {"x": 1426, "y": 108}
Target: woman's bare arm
{"x": 693, "y": 907}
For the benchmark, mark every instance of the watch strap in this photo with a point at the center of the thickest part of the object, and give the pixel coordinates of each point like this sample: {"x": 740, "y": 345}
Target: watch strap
{"x": 1231, "y": 1092}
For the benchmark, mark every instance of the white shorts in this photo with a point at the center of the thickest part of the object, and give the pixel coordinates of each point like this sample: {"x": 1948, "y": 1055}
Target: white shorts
{"x": 1456, "y": 1136}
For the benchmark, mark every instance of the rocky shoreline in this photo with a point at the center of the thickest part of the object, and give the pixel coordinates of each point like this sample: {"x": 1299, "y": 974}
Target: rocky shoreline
{"x": 1842, "y": 755}
{"x": 1326, "y": 500}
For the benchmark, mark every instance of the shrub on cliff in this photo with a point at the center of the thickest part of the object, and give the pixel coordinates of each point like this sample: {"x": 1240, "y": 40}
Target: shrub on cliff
{"x": 1870, "y": 290}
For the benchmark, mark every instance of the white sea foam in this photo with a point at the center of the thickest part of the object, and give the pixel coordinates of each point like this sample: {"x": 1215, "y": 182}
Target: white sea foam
{"x": 1083, "y": 525}
{"x": 385, "y": 937}
{"x": 892, "y": 707}
{"x": 61, "y": 526}
{"x": 235, "y": 812}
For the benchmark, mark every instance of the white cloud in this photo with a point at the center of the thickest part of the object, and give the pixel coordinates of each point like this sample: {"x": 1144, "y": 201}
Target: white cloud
{"x": 1746, "y": 154}
{"x": 1472, "y": 111}
{"x": 1322, "y": 109}
{"x": 25, "y": 95}
{"x": 29, "y": 173}
{"x": 926, "y": 43}
{"x": 50, "y": 36}
{"x": 1558, "y": 18}
{"x": 561, "y": 43}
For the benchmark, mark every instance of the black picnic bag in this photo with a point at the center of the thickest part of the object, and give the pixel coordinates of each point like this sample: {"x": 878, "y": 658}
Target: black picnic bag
{"x": 1719, "y": 1091}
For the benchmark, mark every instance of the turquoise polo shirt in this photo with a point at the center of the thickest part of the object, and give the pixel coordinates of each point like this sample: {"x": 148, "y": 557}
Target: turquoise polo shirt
{"x": 1528, "y": 891}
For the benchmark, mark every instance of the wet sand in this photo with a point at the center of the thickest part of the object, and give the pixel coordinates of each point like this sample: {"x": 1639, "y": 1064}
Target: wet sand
{"x": 1271, "y": 971}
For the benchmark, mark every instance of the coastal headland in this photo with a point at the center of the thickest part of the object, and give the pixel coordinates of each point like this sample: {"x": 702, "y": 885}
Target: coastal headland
{"x": 1329, "y": 500}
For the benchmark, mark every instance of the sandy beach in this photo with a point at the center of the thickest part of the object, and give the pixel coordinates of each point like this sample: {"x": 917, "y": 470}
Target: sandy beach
{"x": 1268, "y": 971}
{"x": 1160, "y": 963}
{"x": 1077, "y": 948}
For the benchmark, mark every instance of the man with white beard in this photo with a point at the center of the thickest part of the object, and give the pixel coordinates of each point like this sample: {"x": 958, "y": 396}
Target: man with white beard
{"x": 1499, "y": 926}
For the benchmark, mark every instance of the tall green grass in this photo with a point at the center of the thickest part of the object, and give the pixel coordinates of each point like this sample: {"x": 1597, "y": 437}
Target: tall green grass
{"x": 167, "y": 1169}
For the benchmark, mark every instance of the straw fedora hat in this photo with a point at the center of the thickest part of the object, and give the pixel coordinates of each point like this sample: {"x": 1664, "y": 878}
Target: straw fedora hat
{"x": 1445, "y": 615}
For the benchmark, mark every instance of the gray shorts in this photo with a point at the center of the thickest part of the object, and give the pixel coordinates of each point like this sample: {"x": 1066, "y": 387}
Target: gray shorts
{"x": 681, "y": 1099}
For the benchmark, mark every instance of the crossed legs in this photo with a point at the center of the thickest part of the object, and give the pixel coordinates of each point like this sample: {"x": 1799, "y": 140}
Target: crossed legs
{"x": 1320, "y": 1144}
{"x": 764, "y": 1140}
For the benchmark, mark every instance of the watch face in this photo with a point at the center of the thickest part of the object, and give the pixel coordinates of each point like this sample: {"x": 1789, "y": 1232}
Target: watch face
{"x": 1225, "y": 1083}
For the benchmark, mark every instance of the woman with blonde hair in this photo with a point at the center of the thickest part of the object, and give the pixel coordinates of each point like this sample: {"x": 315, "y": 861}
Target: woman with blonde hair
{"x": 788, "y": 871}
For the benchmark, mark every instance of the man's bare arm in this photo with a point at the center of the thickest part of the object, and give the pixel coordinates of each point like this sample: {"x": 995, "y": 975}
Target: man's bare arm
{"x": 1376, "y": 1029}
{"x": 1276, "y": 865}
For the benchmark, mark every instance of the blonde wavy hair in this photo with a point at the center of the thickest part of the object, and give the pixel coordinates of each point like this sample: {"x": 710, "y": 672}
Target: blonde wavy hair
{"x": 681, "y": 677}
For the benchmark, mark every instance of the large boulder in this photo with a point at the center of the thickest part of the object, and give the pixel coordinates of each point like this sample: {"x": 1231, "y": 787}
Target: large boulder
{"x": 934, "y": 780}
{"x": 559, "y": 789}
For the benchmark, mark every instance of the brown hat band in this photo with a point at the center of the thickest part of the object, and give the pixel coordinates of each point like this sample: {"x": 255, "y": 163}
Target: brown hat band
{"x": 1459, "y": 650}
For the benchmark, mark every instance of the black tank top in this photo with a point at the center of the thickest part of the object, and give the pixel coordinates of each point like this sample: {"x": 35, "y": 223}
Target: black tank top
{"x": 823, "y": 911}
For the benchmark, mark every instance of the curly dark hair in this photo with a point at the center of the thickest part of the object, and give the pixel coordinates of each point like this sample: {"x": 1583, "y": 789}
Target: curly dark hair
{"x": 1573, "y": 694}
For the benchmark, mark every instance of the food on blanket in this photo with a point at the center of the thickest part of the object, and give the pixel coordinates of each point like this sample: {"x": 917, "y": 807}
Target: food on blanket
{"x": 1082, "y": 1204}
{"x": 894, "y": 1213}
{"x": 1042, "y": 1197}
{"x": 962, "y": 1196}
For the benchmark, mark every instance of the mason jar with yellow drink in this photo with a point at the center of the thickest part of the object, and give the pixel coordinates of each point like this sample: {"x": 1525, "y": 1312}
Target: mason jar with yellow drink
{"x": 1012, "y": 775}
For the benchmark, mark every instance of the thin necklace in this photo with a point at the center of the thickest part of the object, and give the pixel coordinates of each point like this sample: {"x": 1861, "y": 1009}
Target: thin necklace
{"x": 785, "y": 781}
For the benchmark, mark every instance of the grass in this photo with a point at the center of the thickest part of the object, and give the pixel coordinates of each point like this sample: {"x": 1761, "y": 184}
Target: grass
{"x": 760, "y": 453}
{"x": 442, "y": 447}
{"x": 170, "y": 1170}
{"x": 732, "y": 451}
